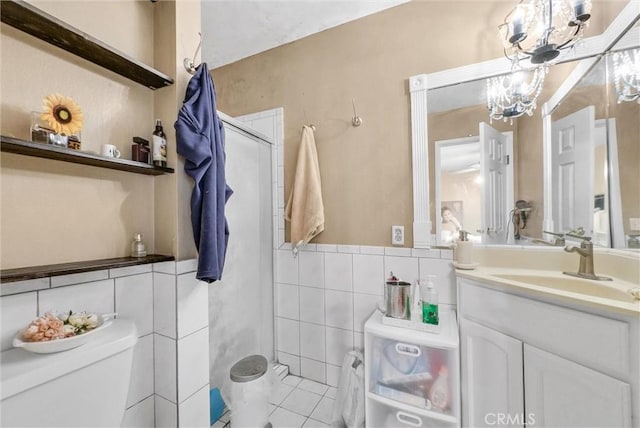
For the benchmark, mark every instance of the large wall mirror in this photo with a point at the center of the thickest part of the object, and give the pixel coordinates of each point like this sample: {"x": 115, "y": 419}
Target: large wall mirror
{"x": 504, "y": 181}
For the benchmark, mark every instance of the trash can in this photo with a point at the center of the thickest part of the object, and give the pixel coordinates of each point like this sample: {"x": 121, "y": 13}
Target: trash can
{"x": 250, "y": 389}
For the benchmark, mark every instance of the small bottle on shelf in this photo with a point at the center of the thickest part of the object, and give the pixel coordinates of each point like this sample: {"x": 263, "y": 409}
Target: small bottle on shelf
{"x": 159, "y": 146}
{"x": 137, "y": 246}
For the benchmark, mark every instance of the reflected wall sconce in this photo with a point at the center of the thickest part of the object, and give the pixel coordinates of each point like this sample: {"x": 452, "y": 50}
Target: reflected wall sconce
{"x": 626, "y": 73}
{"x": 540, "y": 29}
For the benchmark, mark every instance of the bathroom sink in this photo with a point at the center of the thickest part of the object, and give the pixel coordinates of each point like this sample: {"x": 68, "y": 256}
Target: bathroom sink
{"x": 589, "y": 287}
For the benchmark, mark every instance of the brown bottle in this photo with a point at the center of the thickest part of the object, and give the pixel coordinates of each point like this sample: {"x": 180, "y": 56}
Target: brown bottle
{"x": 159, "y": 147}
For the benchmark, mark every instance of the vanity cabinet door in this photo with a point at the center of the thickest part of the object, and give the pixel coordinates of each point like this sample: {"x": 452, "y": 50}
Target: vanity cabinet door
{"x": 492, "y": 389}
{"x": 561, "y": 393}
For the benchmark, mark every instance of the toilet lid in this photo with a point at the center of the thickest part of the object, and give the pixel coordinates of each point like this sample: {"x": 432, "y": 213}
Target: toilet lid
{"x": 249, "y": 368}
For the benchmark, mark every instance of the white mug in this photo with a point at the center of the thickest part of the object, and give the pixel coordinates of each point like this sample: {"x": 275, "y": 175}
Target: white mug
{"x": 110, "y": 150}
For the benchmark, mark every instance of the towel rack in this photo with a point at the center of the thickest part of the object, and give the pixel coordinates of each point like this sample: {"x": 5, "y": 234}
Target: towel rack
{"x": 189, "y": 63}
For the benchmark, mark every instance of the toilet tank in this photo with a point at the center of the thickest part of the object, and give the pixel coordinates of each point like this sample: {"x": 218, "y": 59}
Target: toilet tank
{"x": 83, "y": 387}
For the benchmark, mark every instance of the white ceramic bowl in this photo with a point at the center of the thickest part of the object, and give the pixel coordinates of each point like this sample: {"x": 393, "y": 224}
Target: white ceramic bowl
{"x": 67, "y": 343}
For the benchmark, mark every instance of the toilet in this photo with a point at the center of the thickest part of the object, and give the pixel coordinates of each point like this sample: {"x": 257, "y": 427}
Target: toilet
{"x": 83, "y": 387}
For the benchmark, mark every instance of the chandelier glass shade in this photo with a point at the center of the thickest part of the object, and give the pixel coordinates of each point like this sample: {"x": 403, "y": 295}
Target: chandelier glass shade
{"x": 540, "y": 29}
{"x": 513, "y": 95}
{"x": 626, "y": 74}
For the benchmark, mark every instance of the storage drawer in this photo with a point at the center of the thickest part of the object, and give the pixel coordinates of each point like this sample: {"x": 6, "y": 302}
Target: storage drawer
{"x": 408, "y": 373}
{"x": 382, "y": 415}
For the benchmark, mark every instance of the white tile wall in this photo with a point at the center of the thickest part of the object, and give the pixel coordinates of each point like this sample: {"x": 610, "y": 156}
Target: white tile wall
{"x": 353, "y": 286}
{"x": 79, "y": 278}
{"x": 194, "y": 411}
{"x": 193, "y": 304}
{"x": 24, "y": 286}
{"x": 166, "y": 413}
{"x": 141, "y": 386}
{"x": 95, "y": 297}
{"x": 140, "y": 415}
{"x": 164, "y": 304}
{"x": 311, "y": 269}
{"x": 193, "y": 363}
{"x": 16, "y": 312}
{"x": 312, "y": 342}
{"x": 312, "y": 308}
{"x": 287, "y": 303}
{"x": 165, "y": 371}
{"x": 130, "y": 270}
{"x": 134, "y": 294}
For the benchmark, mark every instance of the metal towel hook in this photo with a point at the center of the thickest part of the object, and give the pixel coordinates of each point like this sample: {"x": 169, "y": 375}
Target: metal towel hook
{"x": 189, "y": 63}
{"x": 355, "y": 120}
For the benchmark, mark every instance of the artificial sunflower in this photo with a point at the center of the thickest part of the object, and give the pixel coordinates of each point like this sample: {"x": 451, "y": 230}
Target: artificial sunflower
{"x": 62, "y": 114}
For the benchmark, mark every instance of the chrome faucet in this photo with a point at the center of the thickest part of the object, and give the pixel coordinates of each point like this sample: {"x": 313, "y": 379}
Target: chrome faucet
{"x": 585, "y": 270}
{"x": 558, "y": 241}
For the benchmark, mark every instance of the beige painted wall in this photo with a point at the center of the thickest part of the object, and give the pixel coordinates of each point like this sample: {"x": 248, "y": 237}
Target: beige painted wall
{"x": 54, "y": 212}
{"x": 366, "y": 171}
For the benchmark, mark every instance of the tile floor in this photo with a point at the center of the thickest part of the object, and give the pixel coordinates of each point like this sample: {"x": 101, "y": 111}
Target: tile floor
{"x": 297, "y": 403}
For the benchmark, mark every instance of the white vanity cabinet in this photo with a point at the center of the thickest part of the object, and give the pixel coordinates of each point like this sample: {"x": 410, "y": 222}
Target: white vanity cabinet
{"x": 533, "y": 362}
{"x": 402, "y": 367}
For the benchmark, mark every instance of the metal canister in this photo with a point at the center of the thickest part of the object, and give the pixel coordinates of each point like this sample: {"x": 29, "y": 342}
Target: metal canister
{"x": 398, "y": 299}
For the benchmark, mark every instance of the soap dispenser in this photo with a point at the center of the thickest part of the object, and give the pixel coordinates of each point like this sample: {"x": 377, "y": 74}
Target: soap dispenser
{"x": 464, "y": 249}
{"x": 429, "y": 302}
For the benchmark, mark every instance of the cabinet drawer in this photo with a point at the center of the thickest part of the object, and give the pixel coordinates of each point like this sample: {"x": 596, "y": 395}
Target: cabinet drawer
{"x": 408, "y": 373}
{"x": 595, "y": 341}
{"x": 384, "y": 415}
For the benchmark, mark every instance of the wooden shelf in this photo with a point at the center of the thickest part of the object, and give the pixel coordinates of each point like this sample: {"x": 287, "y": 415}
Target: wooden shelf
{"x": 37, "y": 23}
{"x": 48, "y": 151}
{"x": 34, "y": 272}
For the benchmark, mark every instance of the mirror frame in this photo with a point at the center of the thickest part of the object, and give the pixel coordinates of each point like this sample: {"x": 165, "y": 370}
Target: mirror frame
{"x": 419, "y": 86}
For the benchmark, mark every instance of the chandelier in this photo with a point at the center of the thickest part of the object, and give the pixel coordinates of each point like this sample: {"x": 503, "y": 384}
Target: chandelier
{"x": 539, "y": 29}
{"x": 626, "y": 73}
{"x": 514, "y": 94}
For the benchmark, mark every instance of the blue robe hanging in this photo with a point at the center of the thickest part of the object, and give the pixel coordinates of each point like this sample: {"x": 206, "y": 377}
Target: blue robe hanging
{"x": 200, "y": 140}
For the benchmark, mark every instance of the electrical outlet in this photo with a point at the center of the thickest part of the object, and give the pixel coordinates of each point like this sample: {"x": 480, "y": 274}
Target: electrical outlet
{"x": 634, "y": 223}
{"x": 397, "y": 235}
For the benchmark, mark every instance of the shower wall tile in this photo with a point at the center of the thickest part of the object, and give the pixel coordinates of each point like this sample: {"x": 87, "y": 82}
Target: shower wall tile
{"x": 16, "y": 312}
{"x": 79, "y": 278}
{"x": 311, "y": 268}
{"x": 141, "y": 385}
{"x": 368, "y": 274}
{"x": 312, "y": 305}
{"x": 95, "y": 297}
{"x": 140, "y": 415}
{"x": 354, "y": 278}
{"x": 164, "y": 304}
{"x": 405, "y": 268}
{"x": 166, "y": 413}
{"x": 445, "y": 280}
{"x": 339, "y": 309}
{"x": 194, "y": 411}
{"x": 287, "y": 268}
{"x": 186, "y": 266}
{"x": 339, "y": 342}
{"x": 193, "y": 363}
{"x": 133, "y": 295}
{"x": 293, "y": 361}
{"x": 24, "y": 286}
{"x": 312, "y": 369}
{"x": 312, "y": 341}
{"x": 130, "y": 270}
{"x": 165, "y": 367}
{"x": 363, "y": 306}
{"x": 287, "y": 301}
{"x": 338, "y": 271}
{"x": 288, "y": 334}
{"x": 193, "y": 304}
{"x": 165, "y": 267}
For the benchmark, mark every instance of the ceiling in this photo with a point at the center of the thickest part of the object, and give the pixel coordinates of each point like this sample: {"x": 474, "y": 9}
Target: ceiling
{"x": 235, "y": 29}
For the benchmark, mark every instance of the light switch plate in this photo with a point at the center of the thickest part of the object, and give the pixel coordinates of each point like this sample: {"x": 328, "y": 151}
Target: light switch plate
{"x": 397, "y": 235}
